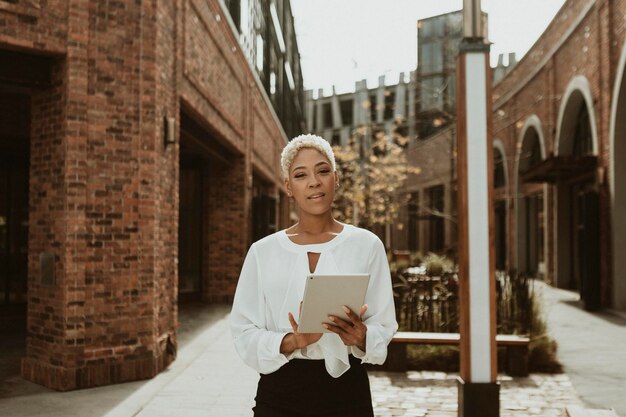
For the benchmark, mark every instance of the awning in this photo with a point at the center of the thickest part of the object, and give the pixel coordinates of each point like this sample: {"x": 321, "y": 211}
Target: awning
{"x": 557, "y": 168}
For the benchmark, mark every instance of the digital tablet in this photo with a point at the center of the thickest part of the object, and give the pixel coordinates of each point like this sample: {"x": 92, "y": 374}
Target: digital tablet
{"x": 324, "y": 295}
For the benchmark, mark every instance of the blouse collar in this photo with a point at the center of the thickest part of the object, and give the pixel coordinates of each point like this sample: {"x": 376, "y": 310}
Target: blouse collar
{"x": 313, "y": 247}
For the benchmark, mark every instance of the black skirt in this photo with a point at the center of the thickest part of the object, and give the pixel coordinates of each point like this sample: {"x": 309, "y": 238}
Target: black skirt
{"x": 304, "y": 388}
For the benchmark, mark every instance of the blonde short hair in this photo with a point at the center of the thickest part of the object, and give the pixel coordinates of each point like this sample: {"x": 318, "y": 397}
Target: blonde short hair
{"x": 305, "y": 141}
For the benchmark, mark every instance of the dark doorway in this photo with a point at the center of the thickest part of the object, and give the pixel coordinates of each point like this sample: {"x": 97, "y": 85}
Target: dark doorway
{"x": 586, "y": 245}
{"x": 13, "y": 219}
{"x": 202, "y": 159}
{"x": 436, "y": 226}
{"x": 578, "y": 207}
{"x": 534, "y": 222}
{"x": 14, "y": 176}
{"x": 500, "y": 235}
{"x": 22, "y": 76}
{"x": 264, "y": 219}
{"x": 413, "y": 226}
{"x": 190, "y": 225}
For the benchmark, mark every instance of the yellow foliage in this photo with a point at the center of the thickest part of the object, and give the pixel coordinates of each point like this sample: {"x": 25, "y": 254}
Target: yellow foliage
{"x": 369, "y": 186}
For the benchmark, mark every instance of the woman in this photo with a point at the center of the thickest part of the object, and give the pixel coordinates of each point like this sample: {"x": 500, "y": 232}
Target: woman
{"x": 311, "y": 374}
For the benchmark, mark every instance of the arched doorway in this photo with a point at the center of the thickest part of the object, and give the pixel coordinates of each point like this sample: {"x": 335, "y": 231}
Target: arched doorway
{"x": 577, "y": 197}
{"x": 530, "y": 200}
{"x": 618, "y": 184}
{"x": 500, "y": 204}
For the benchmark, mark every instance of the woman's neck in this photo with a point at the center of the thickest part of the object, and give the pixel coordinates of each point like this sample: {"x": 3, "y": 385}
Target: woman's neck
{"x": 314, "y": 225}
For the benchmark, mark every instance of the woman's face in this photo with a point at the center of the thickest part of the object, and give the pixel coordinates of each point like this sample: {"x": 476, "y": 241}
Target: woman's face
{"x": 312, "y": 181}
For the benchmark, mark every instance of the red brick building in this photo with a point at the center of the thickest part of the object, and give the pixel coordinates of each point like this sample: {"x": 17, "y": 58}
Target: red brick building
{"x": 117, "y": 119}
{"x": 559, "y": 129}
{"x": 559, "y": 137}
{"x": 428, "y": 222}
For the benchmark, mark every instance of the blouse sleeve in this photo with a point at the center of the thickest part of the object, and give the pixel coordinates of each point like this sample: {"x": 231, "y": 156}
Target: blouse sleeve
{"x": 257, "y": 346}
{"x": 380, "y": 317}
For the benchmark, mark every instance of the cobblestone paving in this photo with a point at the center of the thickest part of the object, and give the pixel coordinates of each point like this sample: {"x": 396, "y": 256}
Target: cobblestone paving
{"x": 434, "y": 394}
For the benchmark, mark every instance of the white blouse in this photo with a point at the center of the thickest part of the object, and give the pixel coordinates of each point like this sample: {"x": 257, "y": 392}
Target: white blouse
{"x": 271, "y": 285}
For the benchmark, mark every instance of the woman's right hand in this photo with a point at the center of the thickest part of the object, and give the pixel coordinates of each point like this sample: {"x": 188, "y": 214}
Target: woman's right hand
{"x": 297, "y": 340}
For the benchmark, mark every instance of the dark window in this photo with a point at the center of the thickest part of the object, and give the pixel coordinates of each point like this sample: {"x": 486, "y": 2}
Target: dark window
{"x": 452, "y": 224}
{"x": 535, "y": 153}
{"x": 263, "y": 210}
{"x": 379, "y": 139}
{"x": 583, "y": 143}
{"x": 401, "y": 130}
{"x": 346, "y": 112}
{"x": 336, "y": 139}
{"x": 234, "y": 8}
{"x": 498, "y": 172}
{"x": 407, "y": 108}
{"x": 531, "y": 153}
{"x": 500, "y": 235}
{"x": 390, "y": 104}
{"x": 327, "y": 115}
{"x": 272, "y": 81}
{"x": 436, "y": 225}
{"x": 534, "y": 233}
{"x": 413, "y": 226}
{"x": 373, "y": 110}
{"x": 190, "y": 225}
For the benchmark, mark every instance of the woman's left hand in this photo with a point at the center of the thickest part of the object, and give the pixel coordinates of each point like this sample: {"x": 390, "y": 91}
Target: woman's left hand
{"x": 352, "y": 332}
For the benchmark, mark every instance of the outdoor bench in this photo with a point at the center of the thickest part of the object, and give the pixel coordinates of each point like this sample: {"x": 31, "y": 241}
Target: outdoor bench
{"x": 516, "y": 349}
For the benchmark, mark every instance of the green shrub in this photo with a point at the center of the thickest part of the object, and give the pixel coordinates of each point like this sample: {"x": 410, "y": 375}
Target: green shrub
{"x": 416, "y": 258}
{"x": 433, "y": 358}
{"x": 436, "y": 265}
{"x": 519, "y": 312}
{"x": 542, "y": 355}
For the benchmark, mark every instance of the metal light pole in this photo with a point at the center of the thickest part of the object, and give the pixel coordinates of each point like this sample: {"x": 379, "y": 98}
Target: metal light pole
{"x": 478, "y": 387}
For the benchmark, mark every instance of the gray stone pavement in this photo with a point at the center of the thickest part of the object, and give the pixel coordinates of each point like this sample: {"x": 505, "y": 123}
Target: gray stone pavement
{"x": 435, "y": 394}
{"x": 591, "y": 347}
{"x": 208, "y": 379}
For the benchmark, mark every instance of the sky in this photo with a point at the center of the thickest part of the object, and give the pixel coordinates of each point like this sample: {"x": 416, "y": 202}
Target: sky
{"x": 343, "y": 41}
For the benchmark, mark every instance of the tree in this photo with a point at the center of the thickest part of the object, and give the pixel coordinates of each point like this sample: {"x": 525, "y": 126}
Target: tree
{"x": 371, "y": 176}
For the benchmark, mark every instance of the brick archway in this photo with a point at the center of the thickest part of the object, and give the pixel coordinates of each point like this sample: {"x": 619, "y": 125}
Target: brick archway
{"x": 577, "y": 227}
{"x": 530, "y": 201}
{"x": 499, "y": 145}
{"x": 617, "y": 175}
{"x": 576, "y": 94}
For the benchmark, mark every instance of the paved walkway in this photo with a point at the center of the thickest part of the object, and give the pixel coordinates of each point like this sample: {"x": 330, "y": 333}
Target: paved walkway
{"x": 591, "y": 346}
{"x": 208, "y": 379}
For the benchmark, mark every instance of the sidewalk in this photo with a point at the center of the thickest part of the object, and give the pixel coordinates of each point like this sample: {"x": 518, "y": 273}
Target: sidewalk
{"x": 208, "y": 379}
{"x": 591, "y": 346}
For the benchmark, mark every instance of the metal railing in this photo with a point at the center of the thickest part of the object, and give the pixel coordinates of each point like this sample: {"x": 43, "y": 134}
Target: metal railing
{"x": 431, "y": 304}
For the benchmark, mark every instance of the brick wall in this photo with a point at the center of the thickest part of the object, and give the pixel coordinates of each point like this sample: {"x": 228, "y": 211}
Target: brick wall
{"x": 236, "y": 115}
{"x": 228, "y": 231}
{"x": 113, "y": 304}
{"x": 47, "y": 303}
{"x": 104, "y": 188}
{"x": 433, "y": 157}
{"x": 36, "y": 25}
{"x": 584, "y": 39}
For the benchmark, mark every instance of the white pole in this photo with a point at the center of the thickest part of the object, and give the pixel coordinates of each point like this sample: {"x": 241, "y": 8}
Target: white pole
{"x": 478, "y": 388}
